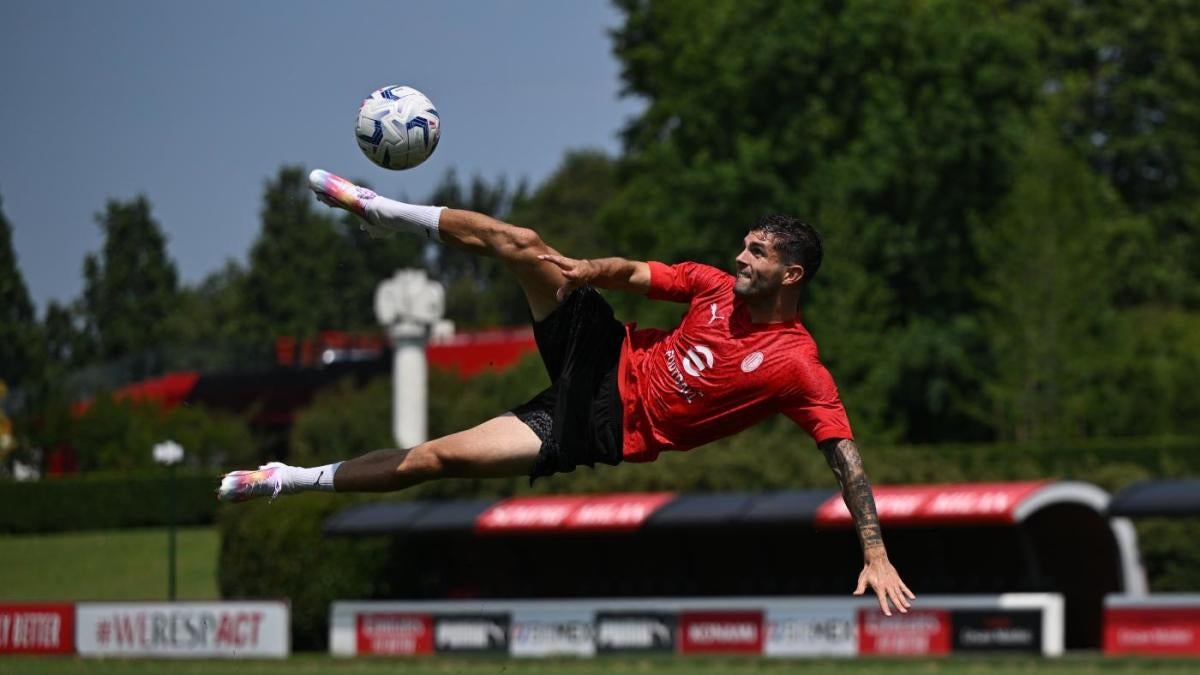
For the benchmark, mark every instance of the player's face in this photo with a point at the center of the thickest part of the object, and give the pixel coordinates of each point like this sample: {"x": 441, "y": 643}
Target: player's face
{"x": 759, "y": 269}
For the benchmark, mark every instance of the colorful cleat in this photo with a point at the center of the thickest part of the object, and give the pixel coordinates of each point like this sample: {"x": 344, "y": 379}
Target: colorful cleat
{"x": 335, "y": 191}
{"x": 339, "y": 192}
{"x": 241, "y": 486}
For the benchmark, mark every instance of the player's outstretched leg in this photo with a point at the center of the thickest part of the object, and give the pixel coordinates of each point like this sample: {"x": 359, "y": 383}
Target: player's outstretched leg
{"x": 518, "y": 247}
{"x": 501, "y": 446}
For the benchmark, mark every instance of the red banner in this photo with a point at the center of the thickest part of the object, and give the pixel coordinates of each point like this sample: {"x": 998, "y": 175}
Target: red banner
{"x": 42, "y": 628}
{"x": 971, "y": 504}
{"x": 1152, "y": 630}
{"x": 917, "y": 633}
{"x": 616, "y": 513}
{"x": 394, "y": 634}
{"x": 717, "y": 632}
{"x": 471, "y": 353}
{"x": 601, "y": 513}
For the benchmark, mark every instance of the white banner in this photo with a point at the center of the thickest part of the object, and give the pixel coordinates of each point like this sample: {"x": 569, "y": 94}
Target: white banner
{"x": 552, "y": 632}
{"x": 190, "y": 629}
{"x": 794, "y": 630}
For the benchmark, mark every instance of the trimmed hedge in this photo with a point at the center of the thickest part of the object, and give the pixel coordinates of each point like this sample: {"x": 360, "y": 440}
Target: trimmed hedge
{"x": 276, "y": 550}
{"x": 106, "y": 501}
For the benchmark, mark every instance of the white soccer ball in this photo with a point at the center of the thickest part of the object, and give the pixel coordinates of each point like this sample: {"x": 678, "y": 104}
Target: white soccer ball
{"x": 398, "y": 127}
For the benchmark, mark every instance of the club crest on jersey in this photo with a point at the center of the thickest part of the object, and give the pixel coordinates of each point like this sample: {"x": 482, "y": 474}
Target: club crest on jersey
{"x": 752, "y": 361}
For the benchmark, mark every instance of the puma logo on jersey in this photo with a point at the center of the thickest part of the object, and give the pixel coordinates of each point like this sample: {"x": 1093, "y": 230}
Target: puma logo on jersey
{"x": 714, "y": 316}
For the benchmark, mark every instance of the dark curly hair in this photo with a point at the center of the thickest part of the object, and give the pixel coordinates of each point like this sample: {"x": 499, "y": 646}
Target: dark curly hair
{"x": 794, "y": 240}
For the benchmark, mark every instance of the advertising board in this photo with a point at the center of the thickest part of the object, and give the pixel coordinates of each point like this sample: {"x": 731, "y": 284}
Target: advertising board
{"x": 729, "y": 631}
{"x": 635, "y": 632}
{"x": 394, "y": 634}
{"x": 37, "y": 628}
{"x": 798, "y": 631}
{"x": 190, "y": 629}
{"x": 920, "y": 632}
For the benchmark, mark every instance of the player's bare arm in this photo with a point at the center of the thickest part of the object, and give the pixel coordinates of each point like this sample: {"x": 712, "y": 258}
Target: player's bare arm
{"x": 842, "y": 456}
{"x": 611, "y": 273}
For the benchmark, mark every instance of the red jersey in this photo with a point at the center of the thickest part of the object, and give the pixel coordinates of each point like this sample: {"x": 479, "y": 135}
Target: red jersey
{"x": 717, "y": 373}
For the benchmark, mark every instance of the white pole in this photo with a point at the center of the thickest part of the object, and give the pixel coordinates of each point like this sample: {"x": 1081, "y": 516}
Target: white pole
{"x": 410, "y": 384}
{"x": 409, "y": 305}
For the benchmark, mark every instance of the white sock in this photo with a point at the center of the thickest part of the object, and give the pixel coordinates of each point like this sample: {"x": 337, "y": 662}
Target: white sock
{"x": 320, "y": 478}
{"x": 401, "y": 217}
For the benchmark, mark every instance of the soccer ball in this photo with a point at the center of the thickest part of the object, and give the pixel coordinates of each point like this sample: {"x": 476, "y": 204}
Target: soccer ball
{"x": 398, "y": 127}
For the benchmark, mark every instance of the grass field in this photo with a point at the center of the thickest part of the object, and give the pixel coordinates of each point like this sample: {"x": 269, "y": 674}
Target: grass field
{"x": 107, "y": 565}
{"x": 320, "y": 665}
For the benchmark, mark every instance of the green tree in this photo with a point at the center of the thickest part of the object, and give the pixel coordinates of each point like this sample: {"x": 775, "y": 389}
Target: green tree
{"x": 893, "y": 125}
{"x": 119, "y": 434}
{"x": 21, "y": 355}
{"x": 1127, "y": 78}
{"x": 1155, "y": 353}
{"x": 291, "y": 284}
{"x": 1051, "y": 265}
{"x": 564, "y": 208}
{"x": 130, "y": 287}
{"x": 66, "y": 343}
{"x": 211, "y": 325}
{"x": 312, "y": 269}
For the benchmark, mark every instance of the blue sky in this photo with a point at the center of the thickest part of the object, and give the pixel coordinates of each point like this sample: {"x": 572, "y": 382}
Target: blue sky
{"x": 197, "y": 104}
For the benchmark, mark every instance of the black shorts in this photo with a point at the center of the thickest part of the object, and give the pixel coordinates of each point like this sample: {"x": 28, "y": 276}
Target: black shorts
{"x": 579, "y": 417}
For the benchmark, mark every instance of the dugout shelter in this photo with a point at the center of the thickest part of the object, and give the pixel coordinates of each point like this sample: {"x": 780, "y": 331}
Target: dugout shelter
{"x": 1154, "y": 624}
{"x": 968, "y": 539}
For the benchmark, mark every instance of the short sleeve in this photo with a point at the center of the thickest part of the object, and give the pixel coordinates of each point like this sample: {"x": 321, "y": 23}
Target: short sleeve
{"x": 816, "y": 406}
{"x": 683, "y": 281}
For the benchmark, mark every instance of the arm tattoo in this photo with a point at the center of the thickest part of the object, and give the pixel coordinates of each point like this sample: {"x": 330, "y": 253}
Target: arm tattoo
{"x": 842, "y": 456}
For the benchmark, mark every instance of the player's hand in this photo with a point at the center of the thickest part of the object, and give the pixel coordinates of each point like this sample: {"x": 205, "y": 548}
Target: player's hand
{"x": 577, "y": 272}
{"x": 879, "y": 574}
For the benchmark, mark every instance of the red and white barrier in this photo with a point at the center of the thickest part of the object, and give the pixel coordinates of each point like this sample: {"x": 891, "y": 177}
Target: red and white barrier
{"x": 784, "y": 627}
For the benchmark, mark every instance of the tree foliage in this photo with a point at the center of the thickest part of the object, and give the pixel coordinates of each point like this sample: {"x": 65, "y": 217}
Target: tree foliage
{"x": 298, "y": 265}
{"x": 1125, "y": 81}
{"x": 892, "y": 125}
{"x": 1007, "y": 193}
{"x": 934, "y": 145}
{"x": 21, "y": 354}
{"x": 130, "y": 287}
{"x": 119, "y": 434}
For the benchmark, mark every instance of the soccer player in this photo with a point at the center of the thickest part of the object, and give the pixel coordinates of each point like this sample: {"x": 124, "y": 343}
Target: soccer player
{"x": 617, "y": 393}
